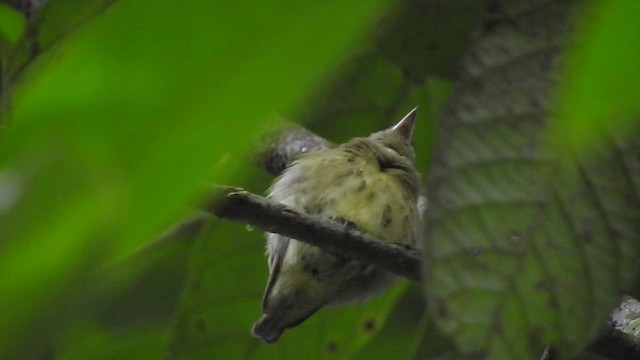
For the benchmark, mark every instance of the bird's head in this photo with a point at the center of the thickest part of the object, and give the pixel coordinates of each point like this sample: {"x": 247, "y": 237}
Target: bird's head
{"x": 397, "y": 139}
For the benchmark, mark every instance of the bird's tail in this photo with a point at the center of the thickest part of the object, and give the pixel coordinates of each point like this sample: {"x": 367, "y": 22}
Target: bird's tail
{"x": 268, "y": 329}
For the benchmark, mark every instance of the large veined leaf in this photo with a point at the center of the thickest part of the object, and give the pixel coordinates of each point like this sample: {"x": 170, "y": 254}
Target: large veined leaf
{"x": 528, "y": 242}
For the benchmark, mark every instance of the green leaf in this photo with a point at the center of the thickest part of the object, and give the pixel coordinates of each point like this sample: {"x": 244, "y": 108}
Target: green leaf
{"x": 142, "y": 342}
{"x": 130, "y": 304}
{"x": 527, "y": 243}
{"x": 427, "y": 37}
{"x": 601, "y": 87}
{"x": 12, "y": 24}
{"x": 115, "y": 133}
{"x": 47, "y": 27}
{"x": 409, "y": 332}
{"x": 222, "y": 301}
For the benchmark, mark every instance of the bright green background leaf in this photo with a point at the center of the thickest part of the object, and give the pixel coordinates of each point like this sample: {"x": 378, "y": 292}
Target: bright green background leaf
{"x": 12, "y": 25}
{"x": 121, "y": 127}
{"x": 602, "y": 88}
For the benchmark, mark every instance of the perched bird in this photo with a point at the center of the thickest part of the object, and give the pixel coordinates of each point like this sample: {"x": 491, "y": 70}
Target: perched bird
{"x": 370, "y": 183}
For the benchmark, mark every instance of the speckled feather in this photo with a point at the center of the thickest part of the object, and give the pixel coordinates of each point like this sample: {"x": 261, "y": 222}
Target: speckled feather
{"x": 370, "y": 183}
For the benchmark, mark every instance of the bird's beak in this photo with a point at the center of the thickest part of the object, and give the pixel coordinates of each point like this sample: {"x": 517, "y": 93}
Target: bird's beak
{"x": 405, "y": 126}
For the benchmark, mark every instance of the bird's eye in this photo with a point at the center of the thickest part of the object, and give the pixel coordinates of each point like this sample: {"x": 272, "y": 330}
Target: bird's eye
{"x": 391, "y": 165}
{"x": 390, "y": 159}
{"x": 387, "y": 163}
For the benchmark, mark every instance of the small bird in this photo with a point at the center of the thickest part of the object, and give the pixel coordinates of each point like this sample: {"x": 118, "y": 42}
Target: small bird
{"x": 370, "y": 183}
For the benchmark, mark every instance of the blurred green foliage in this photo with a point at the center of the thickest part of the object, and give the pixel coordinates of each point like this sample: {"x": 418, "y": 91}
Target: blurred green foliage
{"x": 118, "y": 128}
{"x": 12, "y": 25}
{"x": 118, "y": 114}
{"x": 601, "y": 90}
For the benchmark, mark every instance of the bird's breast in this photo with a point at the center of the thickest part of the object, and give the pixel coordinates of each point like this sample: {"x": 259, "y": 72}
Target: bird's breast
{"x": 357, "y": 190}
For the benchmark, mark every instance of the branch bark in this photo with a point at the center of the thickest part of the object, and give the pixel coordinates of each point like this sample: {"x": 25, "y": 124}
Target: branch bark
{"x": 250, "y": 209}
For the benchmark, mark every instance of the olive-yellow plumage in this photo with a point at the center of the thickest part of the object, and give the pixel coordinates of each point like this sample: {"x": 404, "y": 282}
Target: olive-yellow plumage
{"x": 370, "y": 183}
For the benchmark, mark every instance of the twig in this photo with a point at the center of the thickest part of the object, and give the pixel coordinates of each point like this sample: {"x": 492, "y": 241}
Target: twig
{"x": 250, "y": 209}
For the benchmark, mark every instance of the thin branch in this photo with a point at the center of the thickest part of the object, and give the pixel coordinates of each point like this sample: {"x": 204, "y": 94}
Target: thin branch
{"x": 250, "y": 209}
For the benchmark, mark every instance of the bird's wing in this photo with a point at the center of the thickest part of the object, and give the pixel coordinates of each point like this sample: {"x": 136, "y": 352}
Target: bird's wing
{"x": 277, "y": 249}
{"x": 286, "y": 189}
